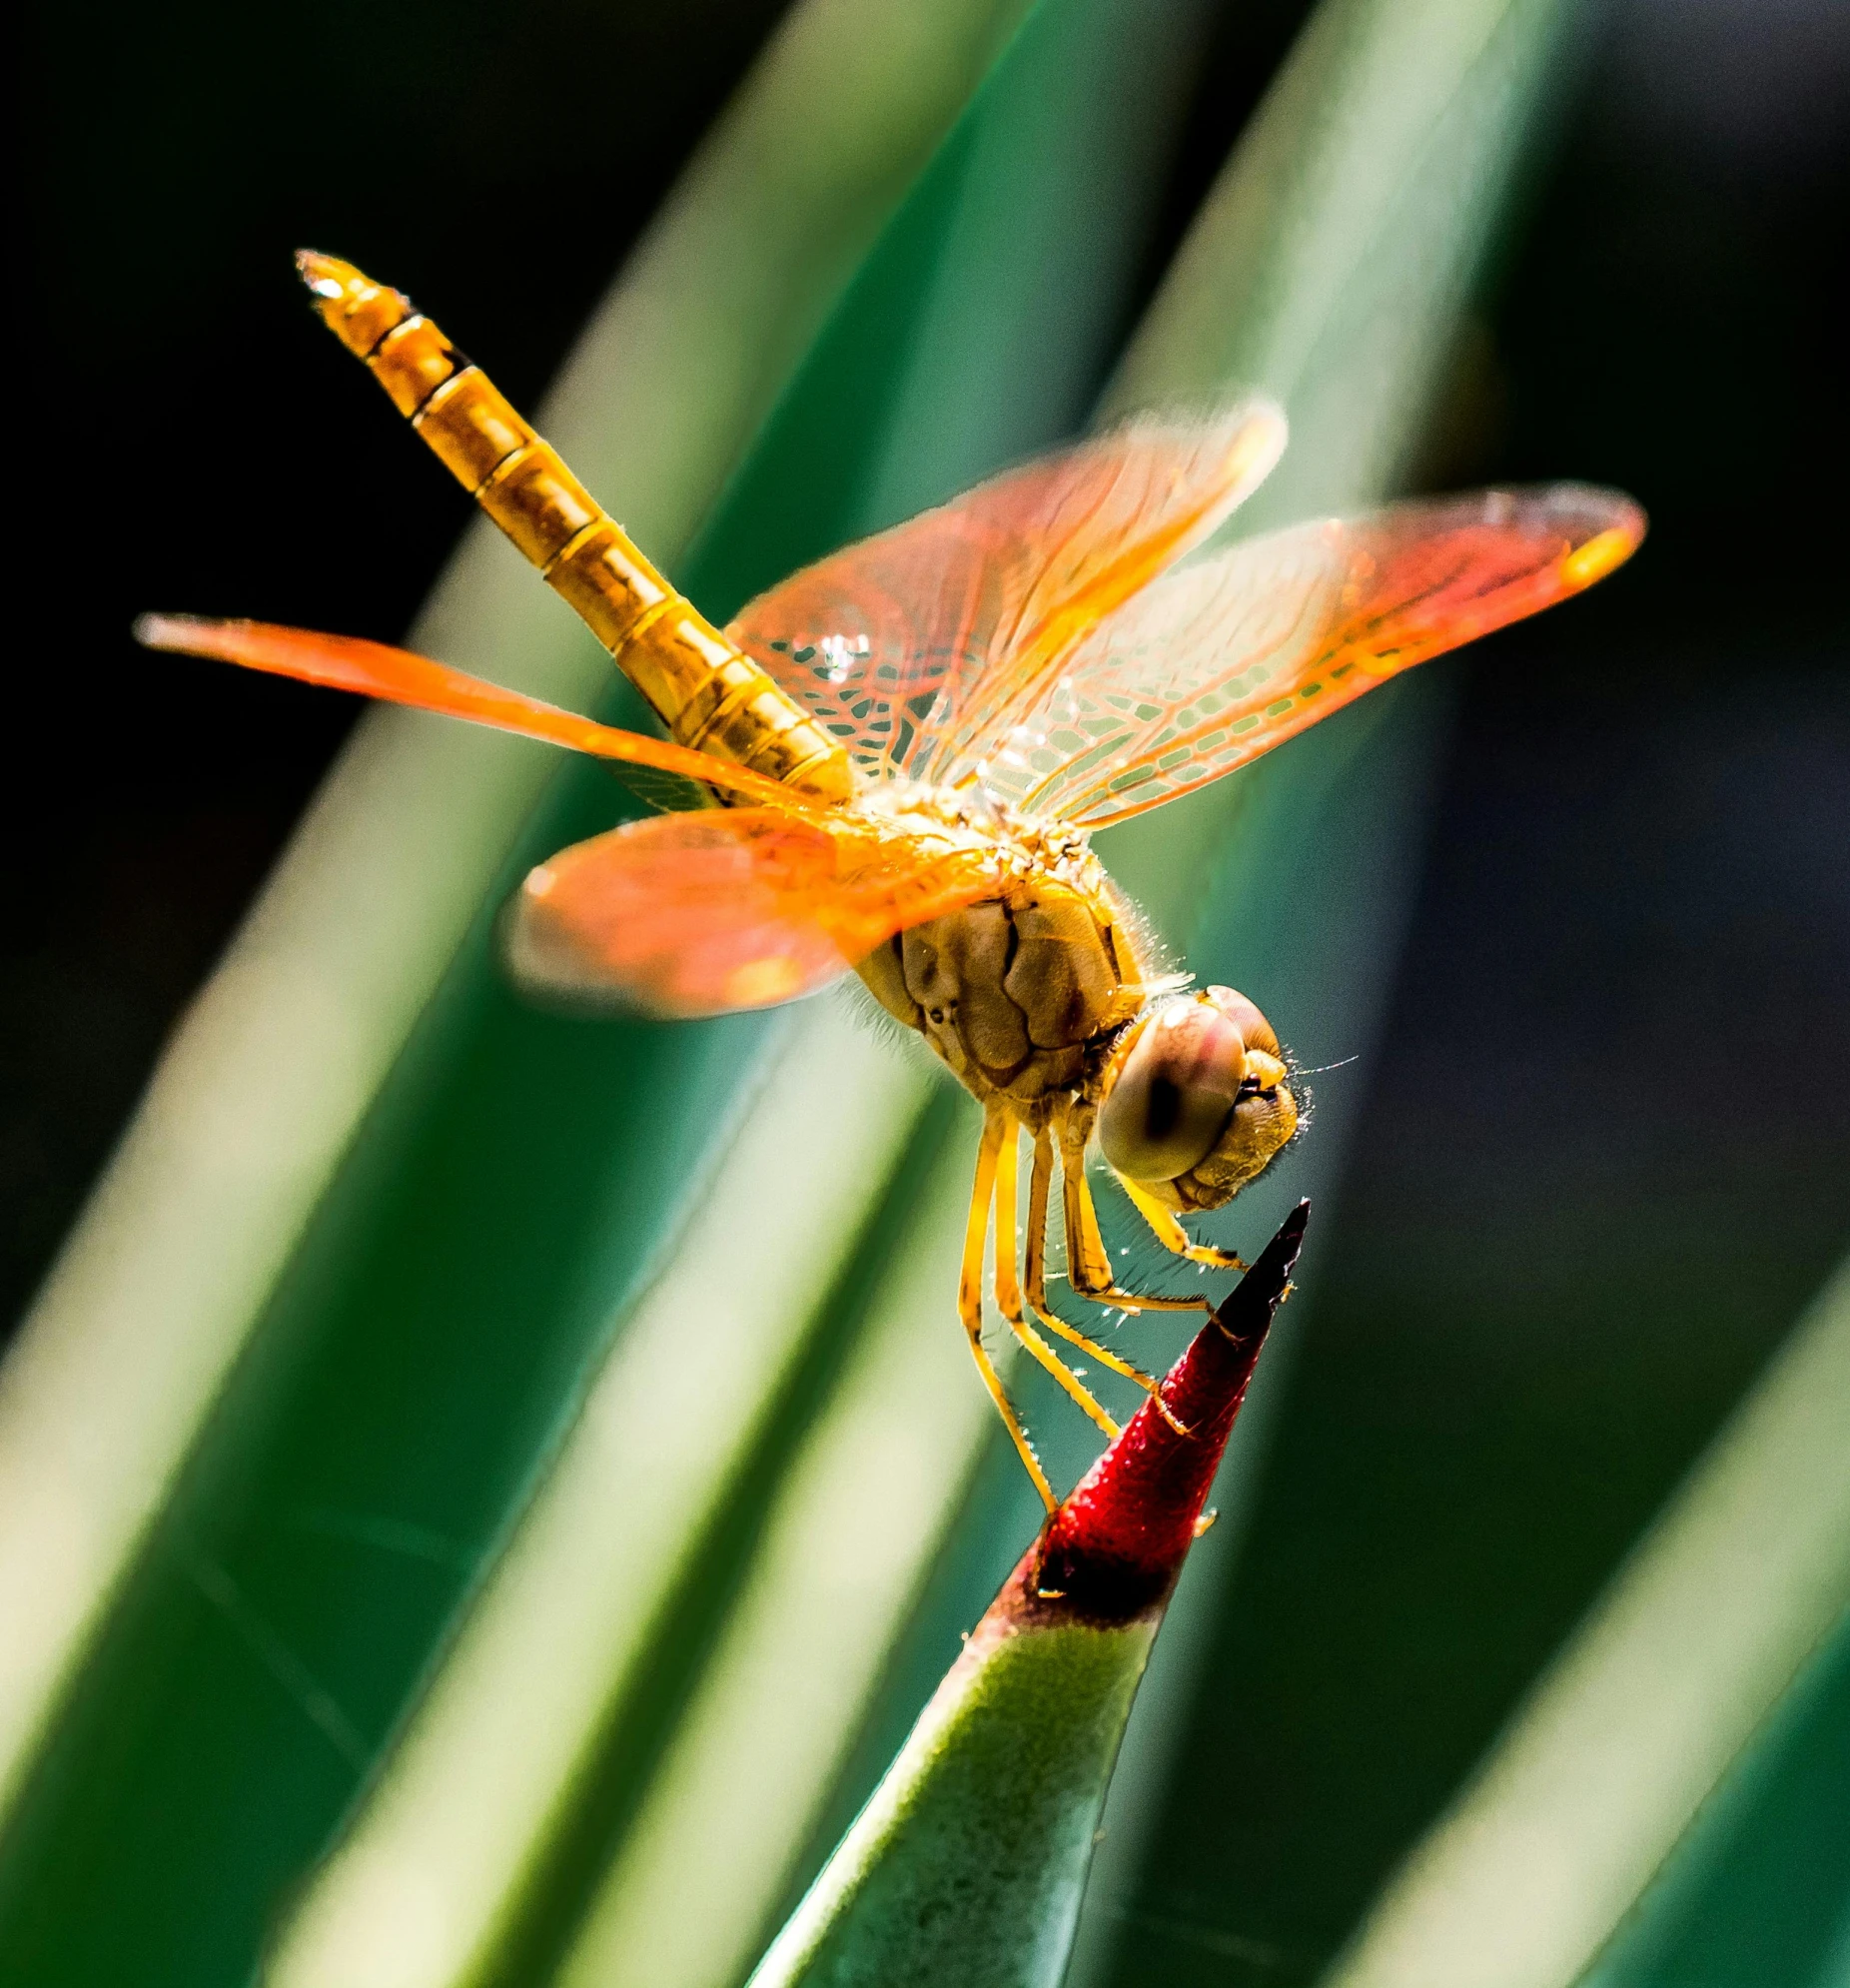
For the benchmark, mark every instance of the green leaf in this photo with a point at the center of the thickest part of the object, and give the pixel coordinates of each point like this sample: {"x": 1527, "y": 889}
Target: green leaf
{"x": 1756, "y": 1887}
{"x": 432, "y": 1253}
{"x": 1742, "y": 1581}
{"x": 937, "y": 361}
{"x": 1331, "y": 265}
{"x": 970, "y": 1858}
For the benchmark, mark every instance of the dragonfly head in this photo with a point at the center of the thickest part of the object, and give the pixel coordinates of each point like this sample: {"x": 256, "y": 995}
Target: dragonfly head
{"x": 1194, "y": 1100}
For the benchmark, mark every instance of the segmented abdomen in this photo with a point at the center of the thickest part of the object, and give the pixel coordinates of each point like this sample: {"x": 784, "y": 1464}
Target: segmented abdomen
{"x": 706, "y": 689}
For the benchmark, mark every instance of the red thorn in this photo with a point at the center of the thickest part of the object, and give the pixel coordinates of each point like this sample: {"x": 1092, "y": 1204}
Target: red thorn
{"x": 1116, "y": 1544}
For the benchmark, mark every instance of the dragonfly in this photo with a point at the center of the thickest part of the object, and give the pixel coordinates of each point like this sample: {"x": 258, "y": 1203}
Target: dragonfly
{"x": 892, "y": 765}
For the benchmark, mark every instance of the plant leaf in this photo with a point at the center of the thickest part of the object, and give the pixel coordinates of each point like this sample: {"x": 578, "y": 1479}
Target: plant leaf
{"x": 937, "y": 361}
{"x": 1329, "y": 265}
{"x": 338, "y": 1293}
{"x": 1744, "y": 1576}
{"x": 970, "y": 1859}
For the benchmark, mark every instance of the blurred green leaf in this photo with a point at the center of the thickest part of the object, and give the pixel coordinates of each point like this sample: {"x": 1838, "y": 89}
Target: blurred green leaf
{"x": 1757, "y": 1890}
{"x": 978, "y": 327}
{"x": 1675, "y": 1675}
{"x": 338, "y": 1289}
{"x": 1331, "y": 265}
{"x": 510, "y": 1191}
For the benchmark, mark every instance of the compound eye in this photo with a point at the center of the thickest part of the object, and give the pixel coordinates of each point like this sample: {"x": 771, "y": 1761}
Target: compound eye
{"x": 1175, "y": 1091}
{"x": 1255, "y": 1031}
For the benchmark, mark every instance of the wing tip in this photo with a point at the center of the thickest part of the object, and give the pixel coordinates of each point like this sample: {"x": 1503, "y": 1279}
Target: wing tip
{"x": 176, "y": 635}
{"x": 1259, "y": 432}
{"x": 1603, "y": 554}
{"x": 1612, "y": 528}
{"x": 1600, "y": 528}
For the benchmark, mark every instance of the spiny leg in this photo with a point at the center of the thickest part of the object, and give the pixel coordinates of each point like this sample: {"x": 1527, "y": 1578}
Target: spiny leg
{"x": 970, "y": 1302}
{"x": 1172, "y": 1236}
{"x": 1088, "y": 1265}
{"x": 1008, "y": 1290}
{"x": 1039, "y": 1188}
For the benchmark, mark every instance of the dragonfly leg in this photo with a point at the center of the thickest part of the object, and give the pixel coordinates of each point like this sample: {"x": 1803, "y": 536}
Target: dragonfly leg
{"x": 1088, "y": 1267}
{"x": 970, "y": 1301}
{"x": 1039, "y": 1188}
{"x": 1172, "y": 1236}
{"x": 1008, "y": 1289}
{"x": 1040, "y": 1185}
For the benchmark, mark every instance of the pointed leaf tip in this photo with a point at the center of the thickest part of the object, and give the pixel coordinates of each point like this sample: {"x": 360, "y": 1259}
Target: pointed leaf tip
{"x": 1117, "y": 1543}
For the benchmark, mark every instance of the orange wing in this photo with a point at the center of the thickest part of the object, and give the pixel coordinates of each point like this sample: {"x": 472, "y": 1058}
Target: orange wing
{"x": 345, "y": 662}
{"x": 698, "y": 914}
{"x": 916, "y": 647}
{"x": 1233, "y": 653}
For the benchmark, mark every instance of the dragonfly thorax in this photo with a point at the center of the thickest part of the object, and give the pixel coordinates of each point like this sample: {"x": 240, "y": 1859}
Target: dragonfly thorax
{"x": 1019, "y": 994}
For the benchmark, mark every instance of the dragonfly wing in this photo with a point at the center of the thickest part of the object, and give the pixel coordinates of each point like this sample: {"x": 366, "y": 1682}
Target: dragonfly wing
{"x": 1237, "y": 651}
{"x": 700, "y": 914}
{"x": 375, "y": 669}
{"x": 665, "y": 793}
{"x": 915, "y": 648}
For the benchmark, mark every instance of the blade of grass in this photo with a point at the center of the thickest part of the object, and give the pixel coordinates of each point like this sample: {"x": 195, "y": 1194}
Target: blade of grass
{"x": 1624, "y": 1739}
{"x": 1331, "y": 265}
{"x": 1319, "y": 851}
{"x": 259, "y": 1095}
{"x": 1758, "y": 1888}
{"x": 862, "y": 1506}
{"x": 944, "y": 356}
{"x": 1362, "y": 201}
{"x": 969, "y": 1860}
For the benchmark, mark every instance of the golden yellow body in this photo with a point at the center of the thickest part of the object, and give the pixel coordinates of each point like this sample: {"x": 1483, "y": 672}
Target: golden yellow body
{"x": 966, "y": 696}
{"x": 709, "y": 694}
{"x": 1031, "y": 998}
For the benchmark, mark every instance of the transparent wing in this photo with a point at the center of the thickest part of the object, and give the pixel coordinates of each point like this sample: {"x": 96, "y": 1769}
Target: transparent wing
{"x": 916, "y": 647}
{"x": 1237, "y": 651}
{"x": 375, "y": 669}
{"x": 698, "y": 914}
{"x": 665, "y": 793}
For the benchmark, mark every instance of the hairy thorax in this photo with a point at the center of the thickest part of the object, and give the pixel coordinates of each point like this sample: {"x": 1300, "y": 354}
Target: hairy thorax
{"x": 1020, "y": 993}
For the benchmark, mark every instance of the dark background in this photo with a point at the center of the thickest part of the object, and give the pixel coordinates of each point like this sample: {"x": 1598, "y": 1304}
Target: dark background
{"x": 1605, "y": 1150}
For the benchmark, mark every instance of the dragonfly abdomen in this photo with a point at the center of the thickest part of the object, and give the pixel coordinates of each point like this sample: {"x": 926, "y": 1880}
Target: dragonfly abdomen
{"x": 708, "y": 692}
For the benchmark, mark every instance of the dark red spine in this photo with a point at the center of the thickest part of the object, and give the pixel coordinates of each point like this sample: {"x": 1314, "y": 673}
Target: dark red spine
{"x": 1116, "y": 1545}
